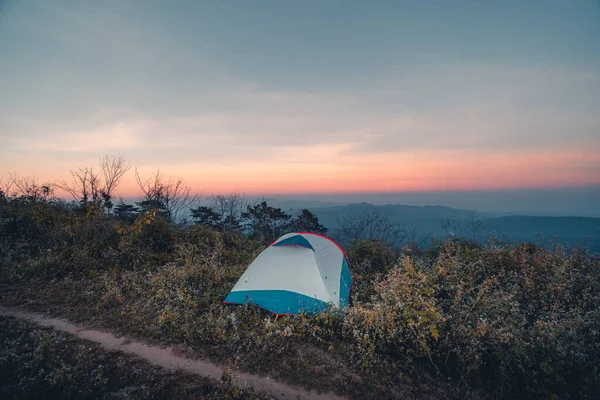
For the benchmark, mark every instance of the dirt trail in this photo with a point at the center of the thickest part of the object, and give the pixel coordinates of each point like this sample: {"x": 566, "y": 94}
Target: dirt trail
{"x": 166, "y": 359}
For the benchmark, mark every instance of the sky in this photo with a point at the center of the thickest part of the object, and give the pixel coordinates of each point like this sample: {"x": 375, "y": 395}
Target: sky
{"x": 305, "y": 97}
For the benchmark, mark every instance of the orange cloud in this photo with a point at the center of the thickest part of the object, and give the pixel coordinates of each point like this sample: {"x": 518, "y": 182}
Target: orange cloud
{"x": 411, "y": 171}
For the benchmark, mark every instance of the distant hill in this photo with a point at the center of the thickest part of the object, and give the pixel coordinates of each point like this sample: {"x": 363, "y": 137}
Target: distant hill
{"x": 429, "y": 220}
{"x": 568, "y": 230}
{"x": 308, "y": 204}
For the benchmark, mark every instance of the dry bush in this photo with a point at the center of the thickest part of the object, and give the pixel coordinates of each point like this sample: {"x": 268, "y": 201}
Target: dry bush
{"x": 40, "y": 363}
{"x": 512, "y": 322}
{"x": 523, "y": 321}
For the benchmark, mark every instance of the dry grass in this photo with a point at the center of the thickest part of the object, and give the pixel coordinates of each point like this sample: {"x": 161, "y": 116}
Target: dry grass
{"x": 465, "y": 322}
{"x": 38, "y": 362}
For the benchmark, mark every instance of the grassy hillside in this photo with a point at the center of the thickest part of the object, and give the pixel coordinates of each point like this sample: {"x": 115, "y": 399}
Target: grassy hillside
{"x": 38, "y": 363}
{"x": 461, "y": 321}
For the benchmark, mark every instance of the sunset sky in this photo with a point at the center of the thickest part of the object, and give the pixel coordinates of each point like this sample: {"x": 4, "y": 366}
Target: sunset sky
{"x": 285, "y": 97}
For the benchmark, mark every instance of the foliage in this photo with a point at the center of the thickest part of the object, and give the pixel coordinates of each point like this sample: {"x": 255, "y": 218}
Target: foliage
{"x": 166, "y": 198}
{"x": 96, "y": 188}
{"x": 41, "y": 363}
{"x": 261, "y": 221}
{"x": 265, "y": 222}
{"x": 371, "y": 256}
{"x": 306, "y": 221}
{"x": 126, "y": 212}
{"x": 523, "y": 319}
{"x": 401, "y": 320}
{"x": 204, "y": 215}
{"x": 223, "y": 214}
{"x": 506, "y": 321}
{"x": 371, "y": 227}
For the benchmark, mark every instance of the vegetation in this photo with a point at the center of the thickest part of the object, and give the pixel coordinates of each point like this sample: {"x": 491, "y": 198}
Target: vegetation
{"x": 40, "y": 363}
{"x": 459, "y": 321}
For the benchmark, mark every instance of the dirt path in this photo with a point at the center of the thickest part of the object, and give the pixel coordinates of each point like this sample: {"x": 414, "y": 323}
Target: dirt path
{"x": 166, "y": 359}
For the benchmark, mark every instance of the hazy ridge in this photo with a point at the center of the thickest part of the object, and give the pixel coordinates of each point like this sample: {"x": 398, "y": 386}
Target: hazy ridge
{"x": 430, "y": 220}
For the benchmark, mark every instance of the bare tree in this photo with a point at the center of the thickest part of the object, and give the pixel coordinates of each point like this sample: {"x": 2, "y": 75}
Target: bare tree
{"x": 469, "y": 228}
{"x": 230, "y": 208}
{"x": 451, "y": 227}
{"x": 370, "y": 226}
{"x": 29, "y": 188}
{"x": 5, "y": 186}
{"x": 152, "y": 188}
{"x": 167, "y": 197}
{"x": 87, "y": 185}
{"x": 113, "y": 169}
{"x": 474, "y": 225}
{"x": 179, "y": 197}
{"x": 82, "y": 186}
{"x": 415, "y": 239}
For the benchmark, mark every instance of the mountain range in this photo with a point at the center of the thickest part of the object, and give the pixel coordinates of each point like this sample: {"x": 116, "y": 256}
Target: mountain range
{"x": 440, "y": 221}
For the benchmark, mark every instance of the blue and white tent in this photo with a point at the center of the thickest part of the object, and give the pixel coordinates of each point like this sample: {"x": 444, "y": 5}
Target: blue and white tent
{"x": 299, "y": 272}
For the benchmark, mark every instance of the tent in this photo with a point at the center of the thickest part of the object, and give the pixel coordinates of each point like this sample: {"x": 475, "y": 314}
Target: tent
{"x": 299, "y": 272}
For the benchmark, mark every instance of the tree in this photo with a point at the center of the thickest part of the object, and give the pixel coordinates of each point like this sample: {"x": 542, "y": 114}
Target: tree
{"x": 204, "y": 215}
{"x": 370, "y": 226}
{"x": 5, "y": 186}
{"x": 163, "y": 197}
{"x": 474, "y": 225}
{"x": 265, "y": 222}
{"x": 415, "y": 239}
{"x": 126, "y": 212}
{"x": 230, "y": 208}
{"x": 469, "y": 228}
{"x": 89, "y": 186}
{"x": 113, "y": 169}
{"x": 306, "y": 221}
{"x": 29, "y": 189}
{"x": 153, "y": 189}
{"x": 451, "y": 227}
{"x": 223, "y": 214}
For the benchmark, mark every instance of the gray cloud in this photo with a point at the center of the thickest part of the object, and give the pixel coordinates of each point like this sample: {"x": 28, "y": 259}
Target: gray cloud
{"x": 245, "y": 122}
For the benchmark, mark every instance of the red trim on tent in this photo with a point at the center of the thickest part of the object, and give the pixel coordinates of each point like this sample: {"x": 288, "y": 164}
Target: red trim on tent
{"x": 324, "y": 237}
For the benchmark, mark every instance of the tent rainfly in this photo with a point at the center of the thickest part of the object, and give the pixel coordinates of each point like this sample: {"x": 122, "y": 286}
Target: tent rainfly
{"x": 299, "y": 272}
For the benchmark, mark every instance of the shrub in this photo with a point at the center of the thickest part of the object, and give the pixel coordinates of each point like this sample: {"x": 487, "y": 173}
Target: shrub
{"x": 401, "y": 321}
{"x": 522, "y": 320}
{"x": 41, "y": 363}
{"x": 371, "y": 256}
{"x": 510, "y": 321}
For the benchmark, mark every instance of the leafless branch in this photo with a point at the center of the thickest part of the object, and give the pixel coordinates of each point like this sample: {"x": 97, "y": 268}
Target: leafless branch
{"x": 5, "y": 186}
{"x": 113, "y": 169}
{"x": 474, "y": 226}
{"x": 230, "y": 208}
{"x": 87, "y": 185}
{"x": 370, "y": 226}
{"x": 172, "y": 194}
{"x": 29, "y": 188}
{"x": 414, "y": 238}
